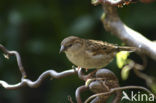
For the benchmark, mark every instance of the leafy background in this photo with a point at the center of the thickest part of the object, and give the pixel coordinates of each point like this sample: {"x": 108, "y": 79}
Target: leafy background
{"x": 35, "y": 28}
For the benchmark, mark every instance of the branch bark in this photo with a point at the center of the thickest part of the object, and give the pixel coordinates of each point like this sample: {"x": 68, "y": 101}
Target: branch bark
{"x": 35, "y": 84}
{"x": 19, "y": 62}
{"x": 113, "y": 24}
{"x": 118, "y": 89}
{"x": 79, "y": 90}
{"x": 104, "y": 82}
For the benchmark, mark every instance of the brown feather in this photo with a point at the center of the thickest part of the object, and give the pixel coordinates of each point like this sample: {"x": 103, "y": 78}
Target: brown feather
{"x": 99, "y": 47}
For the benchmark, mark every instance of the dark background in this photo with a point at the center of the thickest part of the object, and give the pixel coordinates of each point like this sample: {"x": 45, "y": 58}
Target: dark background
{"x": 35, "y": 29}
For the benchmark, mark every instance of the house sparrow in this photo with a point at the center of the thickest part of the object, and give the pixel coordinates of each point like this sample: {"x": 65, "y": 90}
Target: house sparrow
{"x": 86, "y": 53}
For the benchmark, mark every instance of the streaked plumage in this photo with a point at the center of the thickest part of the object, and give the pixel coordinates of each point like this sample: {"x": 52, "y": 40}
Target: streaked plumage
{"x": 88, "y": 53}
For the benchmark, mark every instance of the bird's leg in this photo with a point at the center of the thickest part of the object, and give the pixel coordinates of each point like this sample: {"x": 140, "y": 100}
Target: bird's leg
{"x": 86, "y": 69}
{"x": 81, "y": 74}
{"x": 86, "y": 77}
{"x": 79, "y": 68}
{"x": 76, "y": 69}
{"x": 91, "y": 75}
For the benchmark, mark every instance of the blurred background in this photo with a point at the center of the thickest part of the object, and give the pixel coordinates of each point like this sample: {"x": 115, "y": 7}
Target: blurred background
{"x": 35, "y": 29}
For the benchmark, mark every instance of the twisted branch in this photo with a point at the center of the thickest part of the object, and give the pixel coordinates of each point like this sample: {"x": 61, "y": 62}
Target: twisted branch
{"x": 113, "y": 24}
{"x": 19, "y": 62}
{"x": 26, "y": 82}
{"x": 35, "y": 84}
{"x": 108, "y": 83}
{"x": 79, "y": 90}
{"x": 117, "y": 89}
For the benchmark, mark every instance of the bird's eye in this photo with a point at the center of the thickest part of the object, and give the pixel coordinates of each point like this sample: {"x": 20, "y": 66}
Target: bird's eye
{"x": 69, "y": 45}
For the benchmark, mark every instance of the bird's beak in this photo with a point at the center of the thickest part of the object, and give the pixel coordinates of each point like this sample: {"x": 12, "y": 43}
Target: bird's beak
{"x": 62, "y": 49}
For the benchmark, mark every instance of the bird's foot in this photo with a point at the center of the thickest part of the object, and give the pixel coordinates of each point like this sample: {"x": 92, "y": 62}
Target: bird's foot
{"x": 90, "y": 75}
{"x": 86, "y": 69}
{"x": 76, "y": 69}
{"x": 86, "y": 77}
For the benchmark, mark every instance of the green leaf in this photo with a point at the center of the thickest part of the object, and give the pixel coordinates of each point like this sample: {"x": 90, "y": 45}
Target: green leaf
{"x": 95, "y": 2}
{"x": 153, "y": 87}
{"x": 125, "y": 72}
{"x": 151, "y": 82}
{"x": 121, "y": 58}
{"x": 103, "y": 16}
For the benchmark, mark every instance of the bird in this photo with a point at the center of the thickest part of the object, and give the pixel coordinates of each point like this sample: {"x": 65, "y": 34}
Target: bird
{"x": 90, "y": 54}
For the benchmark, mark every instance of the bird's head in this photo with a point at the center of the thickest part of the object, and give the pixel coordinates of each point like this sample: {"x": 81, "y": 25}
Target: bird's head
{"x": 71, "y": 43}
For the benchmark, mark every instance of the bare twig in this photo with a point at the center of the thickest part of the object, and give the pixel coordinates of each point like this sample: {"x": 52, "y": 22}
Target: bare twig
{"x": 112, "y": 2}
{"x": 19, "y": 62}
{"x": 84, "y": 77}
{"x": 118, "y": 96}
{"x": 81, "y": 75}
{"x": 117, "y": 89}
{"x": 79, "y": 90}
{"x": 103, "y": 82}
{"x": 70, "y": 99}
{"x": 34, "y": 84}
{"x": 24, "y": 81}
{"x": 110, "y": 81}
{"x": 150, "y": 81}
{"x": 113, "y": 24}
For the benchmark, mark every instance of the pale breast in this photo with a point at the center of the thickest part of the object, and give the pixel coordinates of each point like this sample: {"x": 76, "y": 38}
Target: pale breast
{"x": 76, "y": 58}
{"x": 87, "y": 60}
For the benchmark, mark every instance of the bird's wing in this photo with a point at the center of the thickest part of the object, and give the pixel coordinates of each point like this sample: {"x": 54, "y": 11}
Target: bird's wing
{"x": 99, "y": 47}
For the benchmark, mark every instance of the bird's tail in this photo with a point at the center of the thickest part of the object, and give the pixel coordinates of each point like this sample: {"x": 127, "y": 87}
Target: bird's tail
{"x": 126, "y": 48}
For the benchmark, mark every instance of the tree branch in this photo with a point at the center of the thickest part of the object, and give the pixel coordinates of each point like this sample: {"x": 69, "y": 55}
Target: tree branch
{"x": 113, "y": 24}
{"x": 104, "y": 81}
{"x": 24, "y": 81}
{"x": 34, "y": 84}
{"x": 79, "y": 90}
{"x": 19, "y": 62}
{"x": 118, "y": 89}
{"x": 119, "y": 3}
